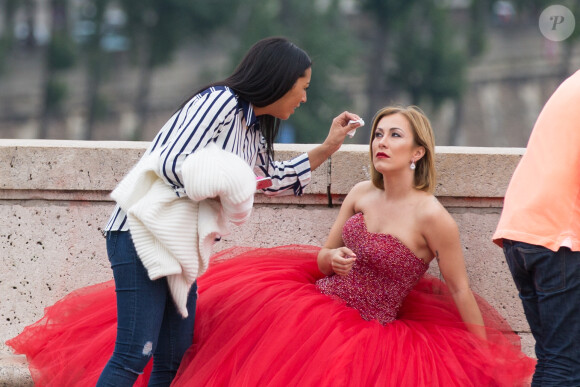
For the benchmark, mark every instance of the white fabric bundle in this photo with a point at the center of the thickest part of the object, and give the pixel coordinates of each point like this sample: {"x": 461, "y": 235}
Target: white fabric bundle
{"x": 173, "y": 236}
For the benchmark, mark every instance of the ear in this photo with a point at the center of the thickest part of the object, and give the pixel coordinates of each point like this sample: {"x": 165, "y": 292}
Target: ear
{"x": 418, "y": 153}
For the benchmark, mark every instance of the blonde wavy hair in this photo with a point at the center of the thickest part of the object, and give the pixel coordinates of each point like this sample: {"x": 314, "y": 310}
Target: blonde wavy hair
{"x": 425, "y": 177}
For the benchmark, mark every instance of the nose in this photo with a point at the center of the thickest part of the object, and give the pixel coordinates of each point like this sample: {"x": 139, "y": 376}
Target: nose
{"x": 383, "y": 142}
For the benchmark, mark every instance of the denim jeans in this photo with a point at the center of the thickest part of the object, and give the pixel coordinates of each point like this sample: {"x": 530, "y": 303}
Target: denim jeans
{"x": 549, "y": 287}
{"x": 148, "y": 323}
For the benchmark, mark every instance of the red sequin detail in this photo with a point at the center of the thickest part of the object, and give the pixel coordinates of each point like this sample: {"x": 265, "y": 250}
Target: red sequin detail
{"x": 382, "y": 276}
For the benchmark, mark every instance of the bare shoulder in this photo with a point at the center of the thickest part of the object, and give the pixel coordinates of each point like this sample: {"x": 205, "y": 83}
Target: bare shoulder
{"x": 431, "y": 213}
{"x": 359, "y": 196}
{"x": 361, "y": 188}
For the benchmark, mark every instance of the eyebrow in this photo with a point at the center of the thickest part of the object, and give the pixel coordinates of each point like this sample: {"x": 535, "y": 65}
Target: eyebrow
{"x": 390, "y": 129}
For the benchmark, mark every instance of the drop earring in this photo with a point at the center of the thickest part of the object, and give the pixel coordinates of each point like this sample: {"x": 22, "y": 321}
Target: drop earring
{"x": 412, "y": 166}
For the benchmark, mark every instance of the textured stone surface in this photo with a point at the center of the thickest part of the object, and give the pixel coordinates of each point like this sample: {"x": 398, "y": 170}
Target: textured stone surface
{"x": 14, "y": 371}
{"x": 48, "y": 249}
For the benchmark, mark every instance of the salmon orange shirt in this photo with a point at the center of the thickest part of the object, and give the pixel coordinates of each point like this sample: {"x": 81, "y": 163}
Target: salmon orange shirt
{"x": 542, "y": 202}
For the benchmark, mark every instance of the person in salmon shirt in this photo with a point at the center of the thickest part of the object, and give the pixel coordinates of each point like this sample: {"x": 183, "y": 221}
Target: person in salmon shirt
{"x": 539, "y": 231}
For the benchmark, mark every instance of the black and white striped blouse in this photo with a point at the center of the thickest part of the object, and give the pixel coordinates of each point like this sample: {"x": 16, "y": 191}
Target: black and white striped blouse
{"x": 218, "y": 115}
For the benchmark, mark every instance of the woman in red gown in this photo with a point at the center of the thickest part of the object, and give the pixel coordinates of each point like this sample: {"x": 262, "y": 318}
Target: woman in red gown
{"x": 358, "y": 312}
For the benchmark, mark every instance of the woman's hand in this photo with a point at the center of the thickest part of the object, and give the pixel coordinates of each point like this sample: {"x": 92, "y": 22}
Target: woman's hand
{"x": 341, "y": 260}
{"x": 338, "y": 131}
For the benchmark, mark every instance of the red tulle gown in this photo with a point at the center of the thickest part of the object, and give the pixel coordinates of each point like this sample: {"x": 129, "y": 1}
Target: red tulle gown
{"x": 268, "y": 317}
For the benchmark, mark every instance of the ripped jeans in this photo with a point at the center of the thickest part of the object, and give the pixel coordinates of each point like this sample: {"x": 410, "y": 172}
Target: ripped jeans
{"x": 149, "y": 324}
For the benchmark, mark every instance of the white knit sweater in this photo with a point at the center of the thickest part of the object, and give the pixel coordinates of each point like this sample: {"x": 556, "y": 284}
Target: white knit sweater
{"x": 173, "y": 236}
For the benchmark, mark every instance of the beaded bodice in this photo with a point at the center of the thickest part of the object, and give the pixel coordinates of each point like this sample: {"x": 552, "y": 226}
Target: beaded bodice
{"x": 382, "y": 276}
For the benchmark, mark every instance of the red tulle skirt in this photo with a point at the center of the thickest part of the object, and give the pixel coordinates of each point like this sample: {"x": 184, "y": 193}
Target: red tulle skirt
{"x": 260, "y": 321}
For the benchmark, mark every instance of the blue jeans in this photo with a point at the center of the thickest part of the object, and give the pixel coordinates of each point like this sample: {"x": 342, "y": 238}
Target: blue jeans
{"x": 148, "y": 323}
{"x": 549, "y": 287}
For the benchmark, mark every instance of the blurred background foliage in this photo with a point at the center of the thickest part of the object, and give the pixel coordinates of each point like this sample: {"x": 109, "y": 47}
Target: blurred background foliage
{"x": 116, "y": 69}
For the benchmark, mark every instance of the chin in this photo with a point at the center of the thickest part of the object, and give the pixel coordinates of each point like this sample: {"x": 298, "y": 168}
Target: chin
{"x": 283, "y": 117}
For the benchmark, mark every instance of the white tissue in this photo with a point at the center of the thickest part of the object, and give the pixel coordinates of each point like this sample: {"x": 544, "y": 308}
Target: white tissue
{"x": 352, "y": 132}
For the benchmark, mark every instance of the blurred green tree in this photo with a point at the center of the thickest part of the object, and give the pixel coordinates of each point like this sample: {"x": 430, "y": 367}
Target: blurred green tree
{"x": 429, "y": 53}
{"x": 93, "y": 16}
{"x": 430, "y": 66}
{"x": 7, "y": 11}
{"x": 60, "y": 54}
{"x": 475, "y": 46}
{"x": 157, "y": 28}
{"x": 386, "y": 18}
{"x": 324, "y": 31}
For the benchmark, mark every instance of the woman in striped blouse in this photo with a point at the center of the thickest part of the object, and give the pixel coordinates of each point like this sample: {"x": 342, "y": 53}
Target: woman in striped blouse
{"x": 240, "y": 114}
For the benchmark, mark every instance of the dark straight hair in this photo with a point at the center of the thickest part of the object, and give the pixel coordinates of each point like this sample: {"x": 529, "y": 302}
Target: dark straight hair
{"x": 266, "y": 73}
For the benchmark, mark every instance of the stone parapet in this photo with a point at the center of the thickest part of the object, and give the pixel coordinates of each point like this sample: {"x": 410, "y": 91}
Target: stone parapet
{"x": 54, "y": 201}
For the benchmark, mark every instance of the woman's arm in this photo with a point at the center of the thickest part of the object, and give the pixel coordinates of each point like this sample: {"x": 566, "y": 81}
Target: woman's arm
{"x": 295, "y": 174}
{"x": 290, "y": 176}
{"x": 334, "y": 257}
{"x": 192, "y": 128}
{"x": 442, "y": 236}
{"x": 336, "y": 134}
